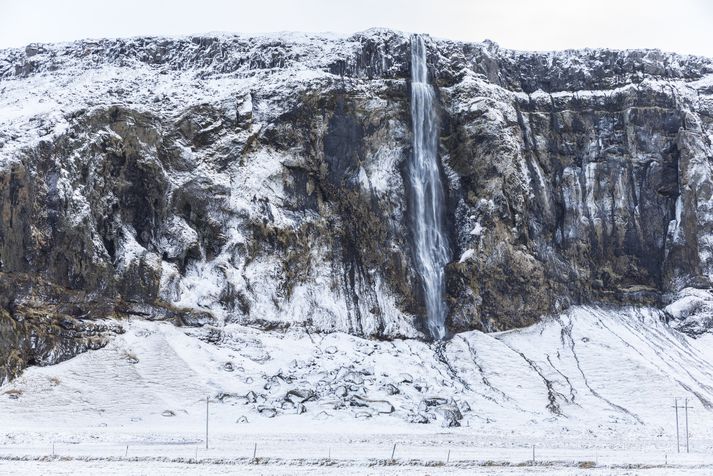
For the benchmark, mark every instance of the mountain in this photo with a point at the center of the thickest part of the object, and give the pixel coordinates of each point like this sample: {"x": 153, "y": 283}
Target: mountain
{"x": 263, "y": 181}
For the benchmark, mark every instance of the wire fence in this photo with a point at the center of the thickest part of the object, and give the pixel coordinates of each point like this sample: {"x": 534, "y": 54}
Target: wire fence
{"x": 300, "y": 453}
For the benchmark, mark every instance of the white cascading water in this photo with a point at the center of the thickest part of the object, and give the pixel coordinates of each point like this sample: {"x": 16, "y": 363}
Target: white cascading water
{"x": 427, "y": 195}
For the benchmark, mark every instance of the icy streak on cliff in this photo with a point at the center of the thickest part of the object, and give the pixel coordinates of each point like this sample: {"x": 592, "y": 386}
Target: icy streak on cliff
{"x": 427, "y": 196}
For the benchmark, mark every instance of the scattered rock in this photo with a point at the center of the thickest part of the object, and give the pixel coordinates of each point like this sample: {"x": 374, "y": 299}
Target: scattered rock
{"x": 300, "y": 395}
{"x": 323, "y": 415}
{"x": 300, "y": 409}
{"x": 427, "y": 403}
{"x": 281, "y": 376}
{"x": 451, "y": 409}
{"x": 449, "y": 418}
{"x": 391, "y": 389}
{"x": 405, "y": 378}
{"x": 191, "y": 318}
{"x": 417, "y": 418}
{"x": 223, "y": 397}
{"x": 380, "y": 406}
{"x": 341, "y": 391}
{"x": 268, "y": 412}
{"x": 353, "y": 377}
{"x": 450, "y": 415}
{"x": 33, "y": 49}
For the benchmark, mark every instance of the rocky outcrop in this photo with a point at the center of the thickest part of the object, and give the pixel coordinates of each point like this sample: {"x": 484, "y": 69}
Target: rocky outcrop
{"x": 587, "y": 184}
{"x": 43, "y": 324}
{"x": 260, "y": 180}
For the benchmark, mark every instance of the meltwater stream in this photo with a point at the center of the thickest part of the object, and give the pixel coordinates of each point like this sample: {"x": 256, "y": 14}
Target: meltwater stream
{"x": 427, "y": 196}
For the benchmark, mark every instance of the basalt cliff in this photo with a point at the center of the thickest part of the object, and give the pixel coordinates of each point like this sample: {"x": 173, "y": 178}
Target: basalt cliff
{"x": 264, "y": 181}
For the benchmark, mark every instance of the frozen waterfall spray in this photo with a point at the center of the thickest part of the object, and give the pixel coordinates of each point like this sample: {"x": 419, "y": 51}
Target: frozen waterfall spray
{"x": 427, "y": 196}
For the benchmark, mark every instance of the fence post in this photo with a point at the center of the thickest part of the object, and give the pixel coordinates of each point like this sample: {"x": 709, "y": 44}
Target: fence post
{"x": 206, "y": 422}
{"x": 686, "y": 407}
{"x": 533, "y": 454}
{"x": 675, "y": 406}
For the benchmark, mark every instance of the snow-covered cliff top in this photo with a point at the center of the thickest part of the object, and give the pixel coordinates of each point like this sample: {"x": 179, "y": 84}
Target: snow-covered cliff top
{"x": 374, "y": 52}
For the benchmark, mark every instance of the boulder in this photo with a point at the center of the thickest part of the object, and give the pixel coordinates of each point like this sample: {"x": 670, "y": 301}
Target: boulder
{"x": 341, "y": 391}
{"x": 405, "y": 378}
{"x": 296, "y": 396}
{"x": 268, "y": 412}
{"x": 429, "y": 402}
{"x": 417, "y": 418}
{"x": 354, "y": 378}
{"x": 380, "y": 406}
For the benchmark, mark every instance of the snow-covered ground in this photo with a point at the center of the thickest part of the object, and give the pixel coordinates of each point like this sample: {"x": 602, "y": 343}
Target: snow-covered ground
{"x": 593, "y": 385}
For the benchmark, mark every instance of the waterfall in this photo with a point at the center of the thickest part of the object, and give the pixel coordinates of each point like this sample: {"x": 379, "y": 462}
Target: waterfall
{"x": 427, "y": 195}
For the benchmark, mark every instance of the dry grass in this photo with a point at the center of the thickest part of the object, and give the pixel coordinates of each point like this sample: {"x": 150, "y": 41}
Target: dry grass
{"x": 13, "y": 392}
{"x": 131, "y": 357}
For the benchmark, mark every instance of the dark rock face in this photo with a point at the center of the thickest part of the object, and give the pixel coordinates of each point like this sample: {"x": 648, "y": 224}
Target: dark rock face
{"x": 260, "y": 181}
{"x": 43, "y": 324}
{"x": 570, "y": 196}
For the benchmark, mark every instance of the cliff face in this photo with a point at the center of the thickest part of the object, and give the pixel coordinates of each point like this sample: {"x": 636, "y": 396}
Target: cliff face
{"x": 579, "y": 177}
{"x": 261, "y": 180}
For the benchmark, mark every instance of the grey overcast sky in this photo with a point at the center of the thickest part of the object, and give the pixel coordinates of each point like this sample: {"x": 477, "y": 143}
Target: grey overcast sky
{"x": 684, "y": 26}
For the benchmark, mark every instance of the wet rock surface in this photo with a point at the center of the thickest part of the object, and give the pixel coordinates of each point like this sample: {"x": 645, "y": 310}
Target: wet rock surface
{"x": 259, "y": 180}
